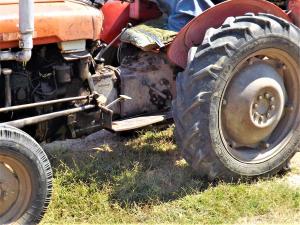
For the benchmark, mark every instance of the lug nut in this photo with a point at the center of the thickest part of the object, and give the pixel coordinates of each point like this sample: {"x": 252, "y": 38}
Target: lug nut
{"x": 272, "y": 99}
{"x": 255, "y": 106}
{"x": 261, "y": 118}
{"x": 260, "y": 97}
{"x": 267, "y": 95}
{"x": 290, "y": 108}
{"x": 265, "y": 145}
{"x": 272, "y": 107}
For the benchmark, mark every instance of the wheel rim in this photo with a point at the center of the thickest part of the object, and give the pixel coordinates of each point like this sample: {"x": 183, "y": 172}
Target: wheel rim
{"x": 260, "y": 106}
{"x": 15, "y": 189}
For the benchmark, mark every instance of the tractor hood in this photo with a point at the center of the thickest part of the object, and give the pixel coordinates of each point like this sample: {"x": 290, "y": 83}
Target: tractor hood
{"x": 55, "y": 21}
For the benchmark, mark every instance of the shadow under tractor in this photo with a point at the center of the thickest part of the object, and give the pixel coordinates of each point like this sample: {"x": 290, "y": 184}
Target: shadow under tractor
{"x": 230, "y": 79}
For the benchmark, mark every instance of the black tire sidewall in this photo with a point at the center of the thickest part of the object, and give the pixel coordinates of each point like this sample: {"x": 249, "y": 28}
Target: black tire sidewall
{"x": 275, "y": 163}
{"x": 35, "y": 161}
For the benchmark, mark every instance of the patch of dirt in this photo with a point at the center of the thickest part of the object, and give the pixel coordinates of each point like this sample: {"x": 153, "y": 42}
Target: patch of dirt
{"x": 83, "y": 144}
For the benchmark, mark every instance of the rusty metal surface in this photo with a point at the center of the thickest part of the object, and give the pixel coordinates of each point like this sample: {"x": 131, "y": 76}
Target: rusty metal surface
{"x": 255, "y": 98}
{"x": 193, "y": 33}
{"x": 54, "y": 22}
{"x": 15, "y": 189}
{"x": 148, "y": 78}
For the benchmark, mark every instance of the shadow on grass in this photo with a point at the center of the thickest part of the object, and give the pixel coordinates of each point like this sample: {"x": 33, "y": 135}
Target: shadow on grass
{"x": 143, "y": 168}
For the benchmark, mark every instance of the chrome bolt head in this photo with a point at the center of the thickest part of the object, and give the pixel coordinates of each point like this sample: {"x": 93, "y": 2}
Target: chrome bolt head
{"x": 260, "y": 97}
{"x": 255, "y": 106}
{"x": 272, "y": 107}
{"x": 272, "y": 99}
{"x": 269, "y": 115}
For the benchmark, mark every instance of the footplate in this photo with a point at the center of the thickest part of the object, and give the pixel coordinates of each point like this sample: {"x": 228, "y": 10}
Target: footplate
{"x": 139, "y": 122}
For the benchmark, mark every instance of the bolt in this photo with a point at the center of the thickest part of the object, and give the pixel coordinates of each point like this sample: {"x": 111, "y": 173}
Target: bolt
{"x": 255, "y": 115}
{"x": 267, "y": 95}
{"x": 261, "y": 118}
{"x": 272, "y": 107}
{"x": 255, "y": 106}
{"x": 224, "y": 102}
{"x": 290, "y": 108}
{"x": 260, "y": 97}
{"x": 265, "y": 145}
{"x": 268, "y": 115}
{"x": 284, "y": 67}
{"x": 272, "y": 99}
{"x": 251, "y": 61}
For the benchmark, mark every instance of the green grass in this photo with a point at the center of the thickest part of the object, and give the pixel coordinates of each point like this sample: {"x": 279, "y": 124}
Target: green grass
{"x": 143, "y": 179}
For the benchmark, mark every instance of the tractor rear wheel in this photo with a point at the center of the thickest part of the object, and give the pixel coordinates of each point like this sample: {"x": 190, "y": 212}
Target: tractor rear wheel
{"x": 237, "y": 107}
{"x": 25, "y": 178}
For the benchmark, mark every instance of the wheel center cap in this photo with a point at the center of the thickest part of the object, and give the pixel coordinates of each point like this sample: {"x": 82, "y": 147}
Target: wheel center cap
{"x": 264, "y": 108}
{"x": 255, "y": 100}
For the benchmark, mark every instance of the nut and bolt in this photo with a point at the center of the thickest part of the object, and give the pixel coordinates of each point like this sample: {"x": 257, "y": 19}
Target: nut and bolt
{"x": 272, "y": 107}
{"x": 267, "y": 95}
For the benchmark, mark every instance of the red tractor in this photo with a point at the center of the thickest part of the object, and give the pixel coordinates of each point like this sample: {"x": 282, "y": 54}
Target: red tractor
{"x": 230, "y": 79}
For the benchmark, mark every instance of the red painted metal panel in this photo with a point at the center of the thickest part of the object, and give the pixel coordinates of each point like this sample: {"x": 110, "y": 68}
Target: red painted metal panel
{"x": 117, "y": 14}
{"x": 5, "y": 2}
{"x": 294, "y": 7}
{"x": 193, "y": 33}
{"x": 116, "y": 17}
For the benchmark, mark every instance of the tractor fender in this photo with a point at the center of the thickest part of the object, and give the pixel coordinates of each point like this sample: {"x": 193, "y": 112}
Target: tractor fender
{"x": 193, "y": 33}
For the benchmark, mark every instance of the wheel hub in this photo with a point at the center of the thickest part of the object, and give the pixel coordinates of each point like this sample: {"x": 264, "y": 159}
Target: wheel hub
{"x": 8, "y": 188}
{"x": 255, "y": 101}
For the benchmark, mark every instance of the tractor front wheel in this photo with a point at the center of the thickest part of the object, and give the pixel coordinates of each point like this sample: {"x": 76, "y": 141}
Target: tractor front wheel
{"x": 237, "y": 107}
{"x": 25, "y": 178}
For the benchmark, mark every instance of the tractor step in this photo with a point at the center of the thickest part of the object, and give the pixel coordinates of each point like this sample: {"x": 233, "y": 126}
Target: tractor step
{"x": 139, "y": 122}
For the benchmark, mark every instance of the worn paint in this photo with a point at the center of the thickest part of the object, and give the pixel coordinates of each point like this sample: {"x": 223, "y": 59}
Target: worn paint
{"x": 56, "y": 21}
{"x": 193, "y": 33}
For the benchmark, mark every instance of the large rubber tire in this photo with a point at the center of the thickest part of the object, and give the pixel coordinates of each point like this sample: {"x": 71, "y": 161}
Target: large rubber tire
{"x": 26, "y": 164}
{"x": 200, "y": 87}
